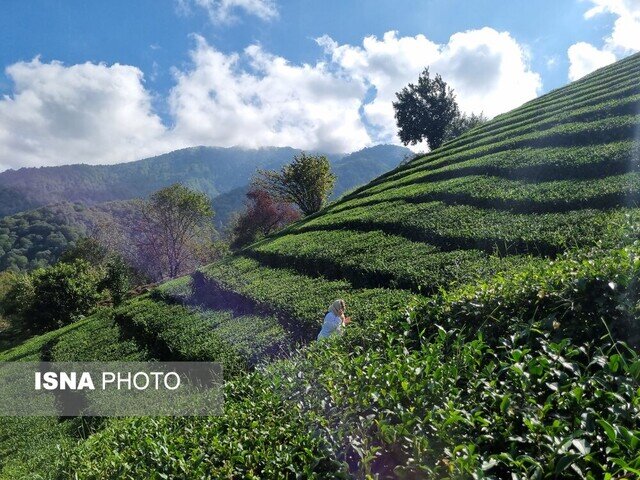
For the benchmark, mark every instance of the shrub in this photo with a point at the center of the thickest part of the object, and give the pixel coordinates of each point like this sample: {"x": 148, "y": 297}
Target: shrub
{"x": 117, "y": 279}
{"x": 20, "y": 295}
{"x": 60, "y": 295}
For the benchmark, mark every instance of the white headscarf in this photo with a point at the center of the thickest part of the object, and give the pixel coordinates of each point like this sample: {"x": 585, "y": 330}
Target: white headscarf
{"x": 337, "y": 307}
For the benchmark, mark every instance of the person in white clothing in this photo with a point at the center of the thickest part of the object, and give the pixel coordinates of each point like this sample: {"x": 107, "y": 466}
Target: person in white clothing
{"x": 334, "y": 319}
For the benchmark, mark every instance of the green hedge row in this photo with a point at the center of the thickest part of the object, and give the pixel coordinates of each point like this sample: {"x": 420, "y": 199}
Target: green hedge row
{"x": 375, "y": 259}
{"x": 180, "y": 333}
{"x": 591, "y": 161}
{"x": 300, "y": 297}
{"x": 576, "y": 107}
{"x": 497, "y": 192}
{"x": 30, "y": 446}
{"x": 435, "y": 391}
{"x": 455, "y": 227}
{"x": 575, "y": 92}
{"x": 615, "y": 129}
{"x": 625, "y": 101}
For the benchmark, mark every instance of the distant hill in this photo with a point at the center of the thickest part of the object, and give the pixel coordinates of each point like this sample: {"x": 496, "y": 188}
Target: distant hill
{"x": 77, "y": 197}
{"x": 352, "y": 170}
{"x": 213, "y": 170}
{"x": 360, "y": 167}
{"x": 38, "y": 237}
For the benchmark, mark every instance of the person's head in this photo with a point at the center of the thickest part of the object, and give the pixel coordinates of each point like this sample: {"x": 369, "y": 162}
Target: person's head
{"x": 338, "y": 307}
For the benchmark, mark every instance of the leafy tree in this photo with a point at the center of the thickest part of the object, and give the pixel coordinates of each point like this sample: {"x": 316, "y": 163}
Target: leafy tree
{"x": 87, "y": 248}
{"x": 117, "y": 274}
{"x": 58, "y": 295}
{"x": 263, "y": 215}
{"x": 425, "y": 111}
{"x": 306, "y": 182}
{"x": 16, "y": 291}
{"x": 462, "y": 124}
{"x": 8, "y": 291}
{"x": 175, "y": 223}
{"x": 117, "y": 278}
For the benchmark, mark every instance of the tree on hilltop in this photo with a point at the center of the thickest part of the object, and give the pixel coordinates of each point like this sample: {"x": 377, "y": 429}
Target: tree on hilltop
{"x": 425, "y": 111}
{"x": 429, "y": 111}
{"x": 307, "y": 182}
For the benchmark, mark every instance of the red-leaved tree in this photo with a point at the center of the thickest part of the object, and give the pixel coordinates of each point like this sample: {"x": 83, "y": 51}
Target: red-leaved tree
{"x": 262, "y": 216}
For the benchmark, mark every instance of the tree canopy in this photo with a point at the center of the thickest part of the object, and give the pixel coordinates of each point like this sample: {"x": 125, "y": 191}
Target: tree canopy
{"x": 175, "y": 222}
{"x": 463, "y": 123}
{"x": 425, "y": 111}
{"x": 262, "y": 216}
{"x": 306, "y": 182}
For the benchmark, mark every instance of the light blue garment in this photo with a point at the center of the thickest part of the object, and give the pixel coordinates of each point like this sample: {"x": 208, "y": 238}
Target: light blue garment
{"x": 332, "y": 324}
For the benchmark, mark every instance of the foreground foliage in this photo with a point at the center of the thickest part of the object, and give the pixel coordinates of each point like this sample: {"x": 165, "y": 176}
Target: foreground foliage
{"x": 431, "y": 393}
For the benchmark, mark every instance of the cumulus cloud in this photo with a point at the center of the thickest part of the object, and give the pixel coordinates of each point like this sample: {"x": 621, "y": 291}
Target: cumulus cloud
{"x": 89, "y": 112}
{"x": 623, "y": 39}
{"x": 94, "y": 113}
{"x": 584, "y": 58}
{"x": 224, "y": 11}
{"x": 625, "y": 34}
{"x": 488, "y": 69}
{"x": 255, "y": 98}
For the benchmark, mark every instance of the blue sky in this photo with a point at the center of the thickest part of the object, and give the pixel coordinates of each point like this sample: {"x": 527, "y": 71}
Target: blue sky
{"x": 171, "y": 53}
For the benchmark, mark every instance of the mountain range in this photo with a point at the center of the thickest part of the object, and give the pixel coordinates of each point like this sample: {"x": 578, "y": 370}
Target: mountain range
{"x": 213, "y": 170}
{"x": 44, "y": 210}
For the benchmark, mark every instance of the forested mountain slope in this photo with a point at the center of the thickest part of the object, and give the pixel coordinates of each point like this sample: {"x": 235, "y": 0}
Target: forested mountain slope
{"x": 213, "y": 170}
{"x": 37, "y": 237}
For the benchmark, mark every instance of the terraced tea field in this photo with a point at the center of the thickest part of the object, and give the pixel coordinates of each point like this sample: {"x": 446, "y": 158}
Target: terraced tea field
{"x": 489, "y": 282}
{"x": 558, "y": 173}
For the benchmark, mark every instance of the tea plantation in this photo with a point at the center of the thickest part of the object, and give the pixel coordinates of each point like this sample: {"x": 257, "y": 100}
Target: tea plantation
{"x": 494, "y": 289}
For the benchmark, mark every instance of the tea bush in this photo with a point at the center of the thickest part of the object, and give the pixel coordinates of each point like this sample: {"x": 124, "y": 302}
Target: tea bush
{"x": 522, "y": 362}
{"x": 300, "y": 297}
{"x": 30, "y": 446}
{"x": 179, "y": 333}
{"x": 407, "y": 397}
{"x": 396, "y": 263}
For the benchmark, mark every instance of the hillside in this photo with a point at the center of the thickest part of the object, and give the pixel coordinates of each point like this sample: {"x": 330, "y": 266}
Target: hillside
{"x": 213, "y": 170}
{"x": 352, "y": 170}
{"x": 490, "y": 282}
{"x": 37, "y": 237}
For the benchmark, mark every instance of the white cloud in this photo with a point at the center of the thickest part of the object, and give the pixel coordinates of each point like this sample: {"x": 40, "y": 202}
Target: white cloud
{"x": 552, "y": 61}
{"x": 584, "y": 58}
{"x": 623, "y": 39}
{"x": 625, "y": 35}
{"x": 90, "y": 113}
{"x": 224, "y": 11}
{"x": 489, "y": 71}
{"x": 94, "y": 113}
{"x": 255, "y": 99}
